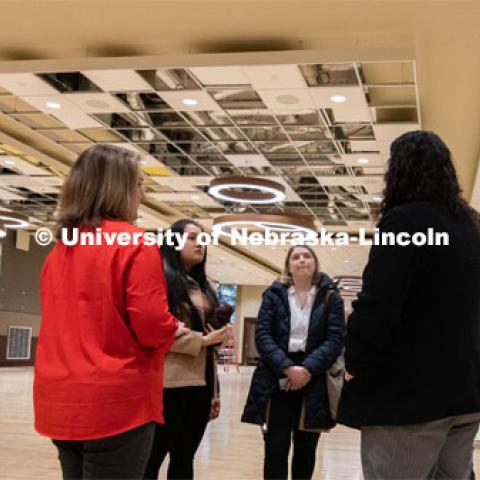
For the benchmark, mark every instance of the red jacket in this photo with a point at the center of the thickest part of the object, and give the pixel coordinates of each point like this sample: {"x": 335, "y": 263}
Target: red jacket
{"x": 103, "y": 337}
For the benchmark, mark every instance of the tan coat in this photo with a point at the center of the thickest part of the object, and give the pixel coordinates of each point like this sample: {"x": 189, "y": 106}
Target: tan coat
{"x": 185, "y": 363}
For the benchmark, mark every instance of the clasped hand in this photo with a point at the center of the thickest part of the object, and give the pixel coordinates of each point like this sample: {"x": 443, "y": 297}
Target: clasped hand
{"x": 297, "y": 377}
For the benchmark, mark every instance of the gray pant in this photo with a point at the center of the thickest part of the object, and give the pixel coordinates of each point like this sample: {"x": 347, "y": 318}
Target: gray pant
{"x": 122, "y": 456}
{"x": 439, "y": 449}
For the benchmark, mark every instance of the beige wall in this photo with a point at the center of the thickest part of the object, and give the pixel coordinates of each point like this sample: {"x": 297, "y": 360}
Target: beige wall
{"x": 8, "y": 319}
{"x": 249, "y": 298}
{"x": 20, "y": 276}
{"x": 19, "y": 285}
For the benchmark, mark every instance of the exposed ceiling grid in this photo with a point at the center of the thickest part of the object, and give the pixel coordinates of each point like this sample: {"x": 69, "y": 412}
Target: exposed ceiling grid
{"x": 325, "y": 129}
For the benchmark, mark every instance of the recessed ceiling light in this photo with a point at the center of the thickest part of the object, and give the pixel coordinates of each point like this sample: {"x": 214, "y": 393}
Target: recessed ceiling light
{"x": 9, "y": 162}
{"x": 362, "y": 160}
{"x": 338, "y": 98}
{"x": 190, "y": 101}
{"x": 53, "y": 105}
{"x": 377, "y": 198}
{"x": 195, "y": 197}
{"x": 346, "y": 261}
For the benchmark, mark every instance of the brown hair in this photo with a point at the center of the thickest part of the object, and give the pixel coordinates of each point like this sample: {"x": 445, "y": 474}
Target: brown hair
{"x": 101, "y": 185}
{"x": 286, "y": 276}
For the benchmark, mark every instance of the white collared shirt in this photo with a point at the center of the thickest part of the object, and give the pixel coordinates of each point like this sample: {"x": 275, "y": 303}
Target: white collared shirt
{"x": 299, "y": 319}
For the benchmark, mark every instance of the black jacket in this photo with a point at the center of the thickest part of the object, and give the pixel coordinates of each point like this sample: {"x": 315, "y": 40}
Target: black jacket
{"x": 413, "y": 339}
{"x": 324, "y": 343}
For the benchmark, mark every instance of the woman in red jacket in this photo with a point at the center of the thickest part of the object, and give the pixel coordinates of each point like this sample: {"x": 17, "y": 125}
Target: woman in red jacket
{"x": 105, "y": 325}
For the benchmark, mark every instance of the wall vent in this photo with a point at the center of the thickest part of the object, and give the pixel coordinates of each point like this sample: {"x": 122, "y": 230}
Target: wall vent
{"x": 19, "y": 343}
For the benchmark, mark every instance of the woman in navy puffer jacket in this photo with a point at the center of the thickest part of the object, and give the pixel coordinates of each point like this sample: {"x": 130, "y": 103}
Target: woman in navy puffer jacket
{"x": 298, "y": 338}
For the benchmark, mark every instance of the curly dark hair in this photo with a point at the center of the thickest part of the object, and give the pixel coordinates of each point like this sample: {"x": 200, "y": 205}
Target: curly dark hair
{"x": 421, "y": 168}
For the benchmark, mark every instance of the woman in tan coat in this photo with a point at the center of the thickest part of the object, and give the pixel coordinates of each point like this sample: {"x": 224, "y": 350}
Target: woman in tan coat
{"x": 190, "y": 378}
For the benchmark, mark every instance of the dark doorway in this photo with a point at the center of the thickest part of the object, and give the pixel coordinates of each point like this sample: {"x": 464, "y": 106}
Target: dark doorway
{"x": 250, "y": 354}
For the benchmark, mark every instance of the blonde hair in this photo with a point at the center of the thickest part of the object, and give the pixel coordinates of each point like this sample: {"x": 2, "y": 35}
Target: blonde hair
{"x": 286, "y": 276}
{"x": 101, "y": 185}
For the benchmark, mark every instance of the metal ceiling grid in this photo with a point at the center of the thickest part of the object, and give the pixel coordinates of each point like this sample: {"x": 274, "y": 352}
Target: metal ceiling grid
{"x": 275, "y": 128}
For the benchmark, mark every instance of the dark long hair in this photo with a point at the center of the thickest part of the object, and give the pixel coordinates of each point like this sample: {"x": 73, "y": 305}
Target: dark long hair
{"x": 421, "y": 168}
{"x": 178, "y": 283}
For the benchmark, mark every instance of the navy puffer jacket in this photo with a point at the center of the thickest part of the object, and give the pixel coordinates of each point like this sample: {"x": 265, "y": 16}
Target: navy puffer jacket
{"x": 325, "y": 342}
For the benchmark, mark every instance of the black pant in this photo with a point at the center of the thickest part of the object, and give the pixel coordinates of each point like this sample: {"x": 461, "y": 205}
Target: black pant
{"x": 122, "y": 456}
{"x": 282, "y": 425}
{"x": 186, "y": 412}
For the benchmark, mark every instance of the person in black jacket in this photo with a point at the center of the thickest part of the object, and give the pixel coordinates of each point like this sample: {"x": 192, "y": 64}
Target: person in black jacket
{"x": 413, "y": 339}
{"x": 298, "y": 338}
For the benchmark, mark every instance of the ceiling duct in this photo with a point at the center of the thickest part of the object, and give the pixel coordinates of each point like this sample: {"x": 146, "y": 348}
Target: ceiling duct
{"x": 68, "y": 82}
{"x": 169, "y": 79}
{"x": 322, "y": 75}
{"x": 213, "y": 118}
{"x": 306, "y": 117}
{"x": 120, "y": 120}
{"x": 143, "y": 101}
{"x": 252, "y": 117}
{"x": 240, "y": 98}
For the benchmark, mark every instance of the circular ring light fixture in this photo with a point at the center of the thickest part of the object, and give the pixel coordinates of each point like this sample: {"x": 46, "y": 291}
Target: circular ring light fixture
{"x": 3, "y": 229}
{"x": 264, "y": 191}
{"x": 278, "y": 223}
{"x": 13, "y": 220}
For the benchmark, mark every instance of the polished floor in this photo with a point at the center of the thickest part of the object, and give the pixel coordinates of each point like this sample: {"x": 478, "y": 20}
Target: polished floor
{"x": 230, "y": 450}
